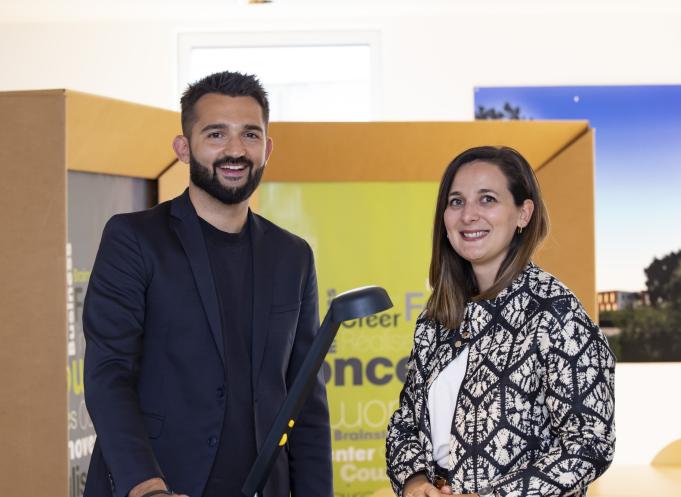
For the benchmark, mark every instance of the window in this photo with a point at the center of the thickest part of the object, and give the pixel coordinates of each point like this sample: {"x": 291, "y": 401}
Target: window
{"x": 309, "y": 76}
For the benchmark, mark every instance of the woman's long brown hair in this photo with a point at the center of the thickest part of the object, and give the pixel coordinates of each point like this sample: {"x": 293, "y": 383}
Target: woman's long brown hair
{"x": 451, "y": 277}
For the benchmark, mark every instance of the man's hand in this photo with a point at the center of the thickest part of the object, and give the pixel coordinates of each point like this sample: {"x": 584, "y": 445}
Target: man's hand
{"x": 148, "y": 486}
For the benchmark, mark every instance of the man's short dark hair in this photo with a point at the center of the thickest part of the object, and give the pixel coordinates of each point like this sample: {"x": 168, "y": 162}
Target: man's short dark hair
{"x": 232, "y": 84}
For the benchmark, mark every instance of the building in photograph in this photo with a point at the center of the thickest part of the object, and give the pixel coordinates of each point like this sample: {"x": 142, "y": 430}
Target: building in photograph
{"x": 615, "y": 300}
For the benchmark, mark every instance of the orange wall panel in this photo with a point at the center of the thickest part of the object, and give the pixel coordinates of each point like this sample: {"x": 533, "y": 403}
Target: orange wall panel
{"x": 33, "y": 420}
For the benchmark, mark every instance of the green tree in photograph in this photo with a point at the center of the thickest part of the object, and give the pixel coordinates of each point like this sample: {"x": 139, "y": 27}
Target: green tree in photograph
{"x": 651, "y": 333}
{"x": 648, "y": 334}
{"x": 507, "y": 112}
{"x": 663, "y": 279}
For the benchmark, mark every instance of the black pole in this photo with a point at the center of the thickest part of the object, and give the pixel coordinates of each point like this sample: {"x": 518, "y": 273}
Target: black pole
{"x": 353, "y": 304}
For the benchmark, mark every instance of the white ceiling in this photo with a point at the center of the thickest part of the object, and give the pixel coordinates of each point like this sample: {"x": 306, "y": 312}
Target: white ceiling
{"x": 189, "y": 10}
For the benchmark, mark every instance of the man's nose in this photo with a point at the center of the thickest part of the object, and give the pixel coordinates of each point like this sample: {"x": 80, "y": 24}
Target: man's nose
{"x": 234, "y": 147}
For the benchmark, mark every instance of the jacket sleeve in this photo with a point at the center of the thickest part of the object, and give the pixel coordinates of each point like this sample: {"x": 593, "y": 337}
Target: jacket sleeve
{"x": 113, "y": 323}
{"x": 579, "y": 384}
{"x": 310, "y": 465}
{"x": 404, "y": 452}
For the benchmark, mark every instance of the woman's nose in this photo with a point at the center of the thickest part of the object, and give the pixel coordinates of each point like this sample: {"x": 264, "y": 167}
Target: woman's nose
{"x": 470, "y": 212}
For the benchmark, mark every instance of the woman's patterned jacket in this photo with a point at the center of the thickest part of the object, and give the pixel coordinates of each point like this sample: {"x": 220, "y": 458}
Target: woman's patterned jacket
{"x": 534, "y": 415}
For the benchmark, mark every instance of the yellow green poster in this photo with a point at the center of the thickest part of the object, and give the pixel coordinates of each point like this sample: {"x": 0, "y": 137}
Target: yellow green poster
{"x": 363, "y": 233}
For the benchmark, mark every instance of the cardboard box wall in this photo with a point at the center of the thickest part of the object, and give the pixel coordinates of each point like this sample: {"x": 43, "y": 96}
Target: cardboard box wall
{"x": 46, "y": 133}
{"x": 560, "y": 152}
{"x": 43, "y": 134}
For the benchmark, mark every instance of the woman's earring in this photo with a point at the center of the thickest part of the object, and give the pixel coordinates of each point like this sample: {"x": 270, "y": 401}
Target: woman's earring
{"x": 520, "y": 230}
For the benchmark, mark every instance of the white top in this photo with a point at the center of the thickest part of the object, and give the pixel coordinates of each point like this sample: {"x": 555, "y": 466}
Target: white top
{"x": 441, "y": 404}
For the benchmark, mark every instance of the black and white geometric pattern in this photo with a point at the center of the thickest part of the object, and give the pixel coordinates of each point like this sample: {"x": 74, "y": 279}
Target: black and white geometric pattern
{"x": 535, "y": 412}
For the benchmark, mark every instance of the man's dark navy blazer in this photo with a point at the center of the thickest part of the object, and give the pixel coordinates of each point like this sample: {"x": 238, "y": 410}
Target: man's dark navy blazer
{"x": 154, "y": 361}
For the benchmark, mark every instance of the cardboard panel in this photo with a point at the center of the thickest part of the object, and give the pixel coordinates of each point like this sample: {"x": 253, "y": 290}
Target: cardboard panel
{"x": 47, "y": 131}
{"x": 173, "y": 181}
{"x": 561, "y": 152}
{"x": 33, "y": 419}
{"x": 567, "y": 183}
{"x": 402, "y": 151}
{"x": 115, "y": 137}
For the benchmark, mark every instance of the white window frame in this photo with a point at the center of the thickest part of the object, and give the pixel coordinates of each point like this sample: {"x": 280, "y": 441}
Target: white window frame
{"x": 188, "y": 41}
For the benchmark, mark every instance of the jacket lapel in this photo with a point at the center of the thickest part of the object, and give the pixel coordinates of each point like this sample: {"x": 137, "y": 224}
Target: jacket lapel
{"x": 185, "y": 222}
{"x": 263, "y": 266}
{"x": 478, "y": 378}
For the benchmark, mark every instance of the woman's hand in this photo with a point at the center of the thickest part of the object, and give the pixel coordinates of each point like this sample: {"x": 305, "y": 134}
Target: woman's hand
{"x": 419, "y": 486}
{"x": 447, "y": 490}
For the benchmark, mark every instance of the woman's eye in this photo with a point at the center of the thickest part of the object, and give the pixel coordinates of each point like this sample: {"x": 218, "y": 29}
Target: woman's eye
{"x": 486, "y": 199}
{"x": 455, "y": 202}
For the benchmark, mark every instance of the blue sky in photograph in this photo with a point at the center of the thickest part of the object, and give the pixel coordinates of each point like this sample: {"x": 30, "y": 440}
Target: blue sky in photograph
{"x": 638, "y": 167}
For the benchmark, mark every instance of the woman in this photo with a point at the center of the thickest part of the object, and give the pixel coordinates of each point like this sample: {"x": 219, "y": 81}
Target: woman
{"x": 509, "y": 390}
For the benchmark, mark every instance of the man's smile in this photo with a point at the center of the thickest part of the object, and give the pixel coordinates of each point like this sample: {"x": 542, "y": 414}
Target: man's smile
{"x": 233, "y": 172}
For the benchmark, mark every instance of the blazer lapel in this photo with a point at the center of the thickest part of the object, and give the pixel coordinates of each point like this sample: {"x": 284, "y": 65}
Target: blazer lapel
{"x": 263, "y": 266}
{"x": 185, "y": 222}
{"x": 479, "y": 318}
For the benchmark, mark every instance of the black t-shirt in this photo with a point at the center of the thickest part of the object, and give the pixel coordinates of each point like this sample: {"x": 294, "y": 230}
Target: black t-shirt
{"x": 231, "y": 260}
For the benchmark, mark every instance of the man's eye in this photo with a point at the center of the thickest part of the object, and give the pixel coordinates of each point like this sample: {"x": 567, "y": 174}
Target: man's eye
{"x": 252, "y": 136}
{"x": 215, "y": 134}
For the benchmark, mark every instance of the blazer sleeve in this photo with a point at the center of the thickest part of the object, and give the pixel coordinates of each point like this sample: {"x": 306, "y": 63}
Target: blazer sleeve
{"x": 404, "y": 452}
{"x": 579, "y": 380}
{"x": 310, "y": 466}
{"x": 113, "y": 323}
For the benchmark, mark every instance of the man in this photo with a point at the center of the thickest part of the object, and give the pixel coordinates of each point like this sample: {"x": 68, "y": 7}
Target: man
{"x": 197, "y": 317}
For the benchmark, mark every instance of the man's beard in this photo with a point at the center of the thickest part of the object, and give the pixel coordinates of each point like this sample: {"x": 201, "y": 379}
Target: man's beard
{"x": 202, "y": 177}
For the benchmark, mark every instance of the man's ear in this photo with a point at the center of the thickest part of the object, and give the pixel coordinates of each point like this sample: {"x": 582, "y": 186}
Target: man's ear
{"x": 181, "y": 148}
{"x": 268, "y": 149}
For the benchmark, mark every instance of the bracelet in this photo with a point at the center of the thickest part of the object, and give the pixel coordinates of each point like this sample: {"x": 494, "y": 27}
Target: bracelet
{"x": 158, "y": 492}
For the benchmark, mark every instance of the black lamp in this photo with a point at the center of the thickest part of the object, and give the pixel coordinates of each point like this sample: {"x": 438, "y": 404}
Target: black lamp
{"x": 349, "y": 305}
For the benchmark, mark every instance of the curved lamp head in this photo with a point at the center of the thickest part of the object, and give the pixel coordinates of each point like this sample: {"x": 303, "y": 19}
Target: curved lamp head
{"x": 358, "y": 303}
